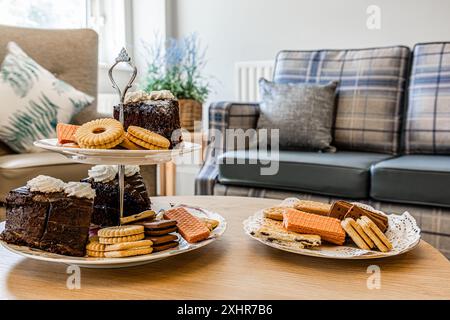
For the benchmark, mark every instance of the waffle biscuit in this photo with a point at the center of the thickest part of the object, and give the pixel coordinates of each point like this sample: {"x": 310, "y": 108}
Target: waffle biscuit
{"x": 147, "y": 139}
{"x": 66, "y": 132}
{"x": 144, "y": 215}
{"x": 128, "y": 245}
{"x": 112, "y": 240}
{"x": 158, "y": 240}
{"x": 100, "y": 134}
{"x": 273, "y": 231}
{"x": 348, "y": 226}
{"x": 190, "y": 227}
{"x": 120, "y": 231}
{"x": 128, "y": 252}
{"x": 160, "y": 232}
{"x": 375, "y": 234}
{"x": 165, "y": 246}
{"x": 315, "y": 207}
{"x": 329, "y": 229}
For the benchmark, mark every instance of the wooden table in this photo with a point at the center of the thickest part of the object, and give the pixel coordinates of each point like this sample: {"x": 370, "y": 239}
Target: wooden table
{"x": 234, "y": 267}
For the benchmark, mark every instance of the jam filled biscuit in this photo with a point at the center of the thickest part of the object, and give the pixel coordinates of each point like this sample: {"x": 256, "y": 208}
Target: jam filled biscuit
{"x": 100, "y": 134}
{"x": 127, "y": 144}
{"x": 146, "y": 138}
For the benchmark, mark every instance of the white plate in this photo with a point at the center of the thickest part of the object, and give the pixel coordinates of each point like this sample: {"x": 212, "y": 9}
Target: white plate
{"x": 107, "y": 263}
{"x": 118, "y": 156}
{"x": 403, "y": 233}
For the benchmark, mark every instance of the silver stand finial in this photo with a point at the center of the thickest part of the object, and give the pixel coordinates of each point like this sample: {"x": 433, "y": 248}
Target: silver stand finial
{"x": 122, "y": 57}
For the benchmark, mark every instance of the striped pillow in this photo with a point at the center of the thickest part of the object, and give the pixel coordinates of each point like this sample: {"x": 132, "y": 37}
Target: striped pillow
{"x": 427, "y": 127}
{"x": 369, "y": 95}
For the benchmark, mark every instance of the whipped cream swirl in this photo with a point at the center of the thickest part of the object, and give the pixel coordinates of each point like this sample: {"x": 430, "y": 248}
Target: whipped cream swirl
{"x": 45, "y": 184}
{"x": 102, "y": 173}
{"x": 131, "y": 170}
{"x": 105, "y": 173}
{"x": 142, "y": 96}
{"x": 79, "y": 190}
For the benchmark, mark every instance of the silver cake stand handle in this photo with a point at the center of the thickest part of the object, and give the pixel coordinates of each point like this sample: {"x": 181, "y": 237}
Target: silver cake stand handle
{"x": 123, "y": 57}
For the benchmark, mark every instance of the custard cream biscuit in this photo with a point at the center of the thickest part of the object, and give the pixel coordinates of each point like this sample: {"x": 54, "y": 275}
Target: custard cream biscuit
{"x": 378, "y": 243}
{"x": 113, "y": 240}
{"x": 314, "y": 207}
{"x": 377, "y": 231}
{"x": 129, "y": 252}
{"x": 128, "y": 245}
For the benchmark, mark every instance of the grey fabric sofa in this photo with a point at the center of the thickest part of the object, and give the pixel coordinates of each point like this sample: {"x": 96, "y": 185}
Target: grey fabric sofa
{"x": 392, "y": 133}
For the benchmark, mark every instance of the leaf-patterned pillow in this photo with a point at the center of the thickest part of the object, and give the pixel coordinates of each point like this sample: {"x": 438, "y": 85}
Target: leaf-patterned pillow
{"x": 33, "y": 101}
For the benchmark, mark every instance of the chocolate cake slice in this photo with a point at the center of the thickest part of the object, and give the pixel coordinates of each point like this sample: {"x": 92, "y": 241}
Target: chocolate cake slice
{"x": 106, "y": 203}
{"x": 155, "y": 112}
{"x": 52, "y": 221}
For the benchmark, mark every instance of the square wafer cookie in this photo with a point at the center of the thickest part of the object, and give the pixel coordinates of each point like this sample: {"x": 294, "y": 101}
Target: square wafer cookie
{"x": 329, "y": 229}
{"x": 190, "y": 228}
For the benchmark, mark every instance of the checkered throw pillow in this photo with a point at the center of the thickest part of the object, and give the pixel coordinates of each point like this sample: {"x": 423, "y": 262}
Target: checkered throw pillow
{"x": 427, "y": 127}
{"x": 369, "y": 95}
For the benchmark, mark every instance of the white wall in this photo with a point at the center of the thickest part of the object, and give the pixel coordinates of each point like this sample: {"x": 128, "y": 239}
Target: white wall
{"x": 239, "y": 30}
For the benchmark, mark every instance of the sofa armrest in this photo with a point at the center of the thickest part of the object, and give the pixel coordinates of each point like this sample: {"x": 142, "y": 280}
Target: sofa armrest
{"x": 223, "y": 116}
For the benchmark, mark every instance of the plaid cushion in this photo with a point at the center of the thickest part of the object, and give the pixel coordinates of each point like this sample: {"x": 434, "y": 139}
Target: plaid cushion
{"x": 222, "y": 116}
{"x": 369, "y": 95}
{"x": 434, "y": 222}
{"x": 427, "y": 127}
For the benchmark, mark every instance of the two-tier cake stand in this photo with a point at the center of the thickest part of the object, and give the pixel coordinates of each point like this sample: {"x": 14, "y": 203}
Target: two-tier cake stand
{"x": 121, "y": 158}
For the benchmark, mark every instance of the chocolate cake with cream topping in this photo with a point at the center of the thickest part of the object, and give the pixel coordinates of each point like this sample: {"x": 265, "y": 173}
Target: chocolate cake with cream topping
{"x": 157, "y": 111}
{"x": 50, "y": 215}
{"x": 104, "y": 180}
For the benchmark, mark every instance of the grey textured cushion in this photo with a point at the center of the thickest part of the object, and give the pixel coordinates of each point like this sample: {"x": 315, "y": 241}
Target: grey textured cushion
{"x": 418, "y": 179}
{"x": 343, "y": 174}
{"x": 303, "y": 113}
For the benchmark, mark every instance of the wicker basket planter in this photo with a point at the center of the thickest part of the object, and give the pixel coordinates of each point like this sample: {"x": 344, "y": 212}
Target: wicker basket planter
{"x": 190, "y": 112}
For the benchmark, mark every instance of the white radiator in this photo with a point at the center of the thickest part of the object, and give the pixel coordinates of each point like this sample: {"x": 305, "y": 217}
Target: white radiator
{"x": 246, "y": 76}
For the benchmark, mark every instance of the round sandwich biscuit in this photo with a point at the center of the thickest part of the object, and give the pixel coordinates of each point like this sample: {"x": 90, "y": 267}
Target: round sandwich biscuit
{"x": 100, "y": 134}
{"x": 113, "y": 240}
{"x": 95, "y": 254}
{"x": 129, "y": 252}
{"x": 120, "y": 231}
{"x": 95, "y": 246}
{"x": 149, "y": 137}
{"x": 127, "y": 144}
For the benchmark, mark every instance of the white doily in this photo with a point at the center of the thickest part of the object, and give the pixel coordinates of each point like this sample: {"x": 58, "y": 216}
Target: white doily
{"x": 403, "y": 233}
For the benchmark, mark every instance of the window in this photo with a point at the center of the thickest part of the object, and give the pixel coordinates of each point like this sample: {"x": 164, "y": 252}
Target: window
{"x": 107, "y": 17}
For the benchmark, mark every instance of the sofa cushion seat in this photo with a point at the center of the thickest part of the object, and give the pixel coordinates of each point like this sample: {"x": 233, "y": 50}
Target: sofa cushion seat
{"x": 417, "y": 179}
{"x": 343, "y": 174}
{"x": 16, "y": 169}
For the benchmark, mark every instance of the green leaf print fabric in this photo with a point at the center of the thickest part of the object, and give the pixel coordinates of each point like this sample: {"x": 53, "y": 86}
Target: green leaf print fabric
{"x": 33, "y": 101}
